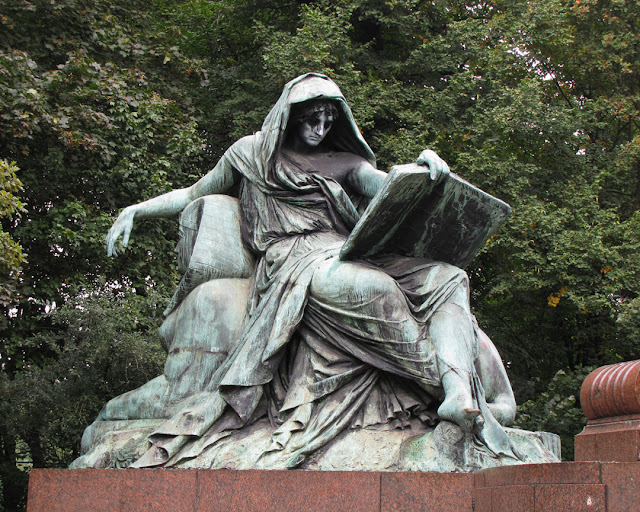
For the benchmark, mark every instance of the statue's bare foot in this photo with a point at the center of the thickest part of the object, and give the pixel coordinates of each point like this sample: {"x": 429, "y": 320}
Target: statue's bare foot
{"x": 458, "y": 406}
{"x": 459, "y": 410}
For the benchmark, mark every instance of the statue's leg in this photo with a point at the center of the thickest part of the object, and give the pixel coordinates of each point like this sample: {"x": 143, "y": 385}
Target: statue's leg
{"x": 495, "y": 381}
{"x": 366, "y": 298}
{"x": 444, "y": 347}
{"x": 453, "y": 337}
{"x": 459, "y": 343}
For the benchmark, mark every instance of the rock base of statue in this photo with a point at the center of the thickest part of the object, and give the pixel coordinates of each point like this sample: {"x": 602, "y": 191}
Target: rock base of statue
{"x": 574, "y": 486}
{"x": 445, "y": 448}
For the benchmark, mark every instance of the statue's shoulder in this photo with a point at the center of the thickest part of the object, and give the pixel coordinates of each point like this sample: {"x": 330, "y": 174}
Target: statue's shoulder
{"x": 244, "y": 149}
{"x": 247, "y": 142}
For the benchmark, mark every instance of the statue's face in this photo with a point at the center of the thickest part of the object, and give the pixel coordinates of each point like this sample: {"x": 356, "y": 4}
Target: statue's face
{"x": 313, "y": 130}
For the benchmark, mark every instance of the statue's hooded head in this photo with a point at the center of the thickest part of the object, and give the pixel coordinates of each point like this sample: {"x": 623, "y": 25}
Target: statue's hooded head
{"x": 344, "y": 135}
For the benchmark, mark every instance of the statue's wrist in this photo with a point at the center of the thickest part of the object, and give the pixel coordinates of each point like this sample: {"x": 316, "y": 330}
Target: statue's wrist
{"x": 131, "y": 211}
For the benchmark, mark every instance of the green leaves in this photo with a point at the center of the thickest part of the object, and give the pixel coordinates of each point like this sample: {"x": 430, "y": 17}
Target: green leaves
{"x": 320, "y": 43}
{"x": 100, "y": 126}
{"x": 103, "y": 344}
{"x": 557, "y": 409}
{"x": 95, "y": 121}
{"x": 11, "y": 255}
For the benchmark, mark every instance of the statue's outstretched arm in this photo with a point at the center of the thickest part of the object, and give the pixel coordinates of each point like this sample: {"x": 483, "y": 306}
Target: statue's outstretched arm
{"x": 220, "y": 179}
{"x": 366, "y": 179}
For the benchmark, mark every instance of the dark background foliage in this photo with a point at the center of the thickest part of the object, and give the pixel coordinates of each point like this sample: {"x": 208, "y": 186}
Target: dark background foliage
{"x": 103, "y": 104}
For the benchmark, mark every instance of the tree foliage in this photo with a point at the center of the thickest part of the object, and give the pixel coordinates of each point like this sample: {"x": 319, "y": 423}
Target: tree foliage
{"x": 104, "y": 343}
{"x": 11, "y": 255}
{"x": 557, "y": 409}
{"x": 104, "y": 104}
{"x": 96, "y": 110}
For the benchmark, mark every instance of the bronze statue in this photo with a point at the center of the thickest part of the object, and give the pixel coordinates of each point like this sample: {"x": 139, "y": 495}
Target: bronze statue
{"x": 325, "y": 345}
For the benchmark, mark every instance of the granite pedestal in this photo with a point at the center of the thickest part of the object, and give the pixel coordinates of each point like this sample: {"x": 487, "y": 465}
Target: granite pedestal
{"x": 569, "y": 486}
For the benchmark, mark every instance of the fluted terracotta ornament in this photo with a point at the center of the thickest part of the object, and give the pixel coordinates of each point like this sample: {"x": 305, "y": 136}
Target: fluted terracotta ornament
{"x": 612, "y": 390}
{"x": 610, "y": 399}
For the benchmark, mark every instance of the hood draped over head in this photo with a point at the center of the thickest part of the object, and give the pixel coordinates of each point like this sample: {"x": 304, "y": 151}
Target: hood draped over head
{"x": 344, "y": 134}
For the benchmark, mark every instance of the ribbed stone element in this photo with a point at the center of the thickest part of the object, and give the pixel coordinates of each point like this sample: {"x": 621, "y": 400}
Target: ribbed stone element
{"x": 612, "y": 390}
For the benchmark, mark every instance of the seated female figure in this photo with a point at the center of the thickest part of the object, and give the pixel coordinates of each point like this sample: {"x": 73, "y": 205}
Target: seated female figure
{"x": 330, "y": 344}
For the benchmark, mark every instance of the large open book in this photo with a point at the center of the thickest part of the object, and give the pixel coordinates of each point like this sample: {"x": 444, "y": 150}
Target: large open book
{"x": 448, "y": 222}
